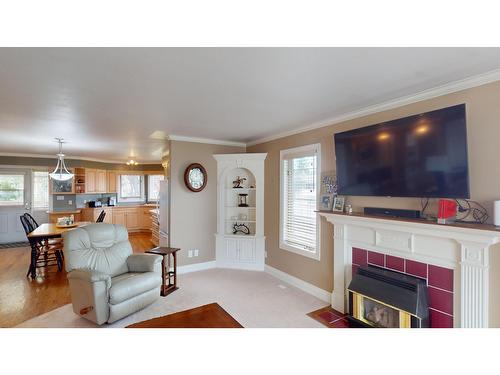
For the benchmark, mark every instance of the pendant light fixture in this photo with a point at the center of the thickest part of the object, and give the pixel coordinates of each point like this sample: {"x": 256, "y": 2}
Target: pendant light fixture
{"x": 61, "y": 173}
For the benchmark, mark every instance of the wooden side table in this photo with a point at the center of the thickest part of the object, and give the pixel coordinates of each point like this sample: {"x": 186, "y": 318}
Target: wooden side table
{"x": 169, "y": 278}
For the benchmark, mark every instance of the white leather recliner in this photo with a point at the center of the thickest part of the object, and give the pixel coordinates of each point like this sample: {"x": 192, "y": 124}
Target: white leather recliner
{"x": 108, "y": 282}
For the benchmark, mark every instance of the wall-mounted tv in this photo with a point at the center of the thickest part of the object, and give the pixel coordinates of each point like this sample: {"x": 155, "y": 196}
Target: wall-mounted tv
{"x": 423, "y": 156}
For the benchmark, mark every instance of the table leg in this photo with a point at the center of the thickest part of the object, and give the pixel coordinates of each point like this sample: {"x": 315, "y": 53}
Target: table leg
{"x": 175, "y": 269}
{"x": 163, "y": 265}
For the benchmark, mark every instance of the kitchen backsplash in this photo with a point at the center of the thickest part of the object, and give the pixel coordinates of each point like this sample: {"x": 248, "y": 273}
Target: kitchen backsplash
{"x": 63, "y": 202}
{"x": 82, "y": 199}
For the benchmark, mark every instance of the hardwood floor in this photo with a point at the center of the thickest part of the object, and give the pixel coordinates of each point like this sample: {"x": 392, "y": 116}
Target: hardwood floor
{"x": 22, "y": 298}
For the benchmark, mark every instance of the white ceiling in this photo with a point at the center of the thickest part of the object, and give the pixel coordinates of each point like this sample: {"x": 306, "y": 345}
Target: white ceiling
{"x": 108, "y": 102}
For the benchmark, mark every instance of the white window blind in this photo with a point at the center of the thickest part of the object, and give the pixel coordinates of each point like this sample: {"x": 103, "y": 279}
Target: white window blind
{"x": 299, "y": 200}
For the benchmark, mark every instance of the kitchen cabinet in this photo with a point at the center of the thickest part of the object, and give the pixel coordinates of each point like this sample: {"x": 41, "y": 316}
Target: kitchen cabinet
{"x": 90, "y": 180}
{"x": 132, "y": 219}
{"x": 101, "y": 181}
{"x": 119, "y": 217}
{"x": 111, "y": 175}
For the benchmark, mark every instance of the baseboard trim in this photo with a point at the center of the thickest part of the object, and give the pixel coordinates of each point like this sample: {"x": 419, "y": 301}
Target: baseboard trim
{"x": 195, "y": 267}
{"x": 298, "y": 283}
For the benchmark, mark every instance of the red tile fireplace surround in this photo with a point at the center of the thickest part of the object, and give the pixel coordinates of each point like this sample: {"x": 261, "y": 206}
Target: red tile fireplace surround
{"x": 439, "y": 281}
{"x": 452, "y": 259}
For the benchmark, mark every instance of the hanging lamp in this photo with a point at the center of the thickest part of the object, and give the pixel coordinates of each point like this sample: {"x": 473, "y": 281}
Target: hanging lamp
{"x": 61, "y": 173}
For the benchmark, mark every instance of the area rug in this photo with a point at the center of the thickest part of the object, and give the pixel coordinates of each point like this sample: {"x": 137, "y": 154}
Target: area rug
{"x": 14, "y": 244}
{"x": 206, "y": 316}
{"x": 254, "y": 299}
{"x": 330, "y": 317}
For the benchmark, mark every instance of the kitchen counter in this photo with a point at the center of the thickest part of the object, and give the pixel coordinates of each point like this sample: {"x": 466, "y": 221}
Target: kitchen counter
{"x": 74, "y": 212}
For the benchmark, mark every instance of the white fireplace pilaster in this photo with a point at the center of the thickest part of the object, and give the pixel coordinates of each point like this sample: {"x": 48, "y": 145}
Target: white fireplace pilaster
{"x": 463, "y": 249}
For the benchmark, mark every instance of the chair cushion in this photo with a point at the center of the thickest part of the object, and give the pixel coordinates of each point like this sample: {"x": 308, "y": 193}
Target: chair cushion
{"x": 99, "y": 247}
{"x": 129, "y": 285}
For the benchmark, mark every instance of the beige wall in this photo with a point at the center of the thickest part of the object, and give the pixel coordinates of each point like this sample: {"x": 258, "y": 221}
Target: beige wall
{"x": 194, "y": 215}
{"x": 483, "y": 127}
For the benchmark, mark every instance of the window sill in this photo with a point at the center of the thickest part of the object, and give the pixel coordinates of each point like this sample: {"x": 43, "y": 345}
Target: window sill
{"x": 307, "y": 254}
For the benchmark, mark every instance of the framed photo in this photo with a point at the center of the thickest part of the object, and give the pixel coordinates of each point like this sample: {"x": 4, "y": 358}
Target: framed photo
{"x": 338, "y": 204}
{"x": 326, "y": 202}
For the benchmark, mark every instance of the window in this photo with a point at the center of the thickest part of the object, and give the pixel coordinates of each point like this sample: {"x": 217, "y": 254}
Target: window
{"x": 11, "y": 189}
{"x": 40, "y": 190}
{"x": 131, "y": 188}
{"x": 299, "y": 194}
{"x": 154, "y": 186}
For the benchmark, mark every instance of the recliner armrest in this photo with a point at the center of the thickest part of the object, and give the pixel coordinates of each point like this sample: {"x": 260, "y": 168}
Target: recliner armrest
{"x": 90, "y": 276}
{"x": 143, "y": 262}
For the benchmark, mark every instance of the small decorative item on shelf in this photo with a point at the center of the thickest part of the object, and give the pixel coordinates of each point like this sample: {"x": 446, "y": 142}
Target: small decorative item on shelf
{"x": 338, "y": 204}
{"x": 240, "y": 228}
{"x": 348, "y": 209}
{"x": 242, "y": 200}
{"x": 237, "y": 184}
{"x": 252, "y": 186}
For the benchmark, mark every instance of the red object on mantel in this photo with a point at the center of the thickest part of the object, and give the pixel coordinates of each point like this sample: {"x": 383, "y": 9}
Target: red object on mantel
{"x": 447, "y": 211}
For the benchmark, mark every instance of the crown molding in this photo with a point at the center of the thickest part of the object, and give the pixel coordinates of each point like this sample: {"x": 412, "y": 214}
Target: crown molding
{"x": 51, "y": 156}
{"x": 181, "y": 138}
{"x": 448, "y": 88}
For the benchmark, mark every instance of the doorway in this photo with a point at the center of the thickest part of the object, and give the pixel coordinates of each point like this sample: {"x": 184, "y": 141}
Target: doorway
{"x": 15, "y": 200}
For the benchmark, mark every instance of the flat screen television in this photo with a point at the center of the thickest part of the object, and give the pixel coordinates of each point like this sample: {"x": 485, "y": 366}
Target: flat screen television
{"x": 422, "y": 156}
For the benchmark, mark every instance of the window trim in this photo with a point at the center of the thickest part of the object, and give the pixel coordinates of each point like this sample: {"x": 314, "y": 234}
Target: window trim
{"x": 312, "y": 148}
{"x": 139, "y": 199}
{"x": 148, "y": 176}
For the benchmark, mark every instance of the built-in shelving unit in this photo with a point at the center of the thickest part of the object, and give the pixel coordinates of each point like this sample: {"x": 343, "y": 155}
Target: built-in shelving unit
{"x": 240, "y": 229}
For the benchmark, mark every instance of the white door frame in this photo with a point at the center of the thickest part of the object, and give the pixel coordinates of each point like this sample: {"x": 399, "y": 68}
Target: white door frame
{"x": 11, "y": 229}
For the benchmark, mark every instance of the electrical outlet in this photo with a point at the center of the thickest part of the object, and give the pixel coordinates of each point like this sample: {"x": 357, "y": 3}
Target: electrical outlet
{"x": 60, "y": 198}
{"x": 70, "y": 202}
{"x": 190, "y": 253}
{"x": 195, "y": 252}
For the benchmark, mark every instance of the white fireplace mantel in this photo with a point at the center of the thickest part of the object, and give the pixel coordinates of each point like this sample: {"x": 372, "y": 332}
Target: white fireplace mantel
{"x": 464, "y": 249}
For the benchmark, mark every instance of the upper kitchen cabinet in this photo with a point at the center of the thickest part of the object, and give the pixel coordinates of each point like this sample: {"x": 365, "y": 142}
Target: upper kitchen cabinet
{"x": 95, "y": 181}
{"x": 62, "y": 187}
{"x": 112, "y": 182}
{"x": 90, "y": 180}
{"x": 102, "y": 182}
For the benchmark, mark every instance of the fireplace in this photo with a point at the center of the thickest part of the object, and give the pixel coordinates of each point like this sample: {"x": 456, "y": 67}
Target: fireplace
{"x": 387, "y": 299}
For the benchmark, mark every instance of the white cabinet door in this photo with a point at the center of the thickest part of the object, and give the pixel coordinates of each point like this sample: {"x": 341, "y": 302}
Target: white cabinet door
{"x": 246, "y": 251}
{"x": 231, "y": 249}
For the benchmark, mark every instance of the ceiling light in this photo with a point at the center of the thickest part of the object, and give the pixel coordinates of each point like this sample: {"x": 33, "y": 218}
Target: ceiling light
{"x": 61, "y": 173}
{"x": 132, "y": 162}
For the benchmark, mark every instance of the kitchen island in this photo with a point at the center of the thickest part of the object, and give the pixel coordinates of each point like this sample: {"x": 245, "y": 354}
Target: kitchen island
{"x": 135, "y": 218}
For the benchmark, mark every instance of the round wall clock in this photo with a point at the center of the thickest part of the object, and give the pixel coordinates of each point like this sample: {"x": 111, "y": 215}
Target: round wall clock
{"x": 195, "y": 177}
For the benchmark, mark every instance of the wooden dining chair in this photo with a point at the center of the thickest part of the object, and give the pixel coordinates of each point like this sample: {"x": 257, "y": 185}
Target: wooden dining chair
{"x": 42, "y": 254}
{"x": 101, "y": 217}
{"x": 33, "y": 223}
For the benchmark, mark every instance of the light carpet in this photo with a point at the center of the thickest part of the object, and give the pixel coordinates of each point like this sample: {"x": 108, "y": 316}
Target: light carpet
{"x": 255, "y": 299}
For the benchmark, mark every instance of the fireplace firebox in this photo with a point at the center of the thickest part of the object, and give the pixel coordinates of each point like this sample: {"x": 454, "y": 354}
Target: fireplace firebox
{"x": 387, "y": 299}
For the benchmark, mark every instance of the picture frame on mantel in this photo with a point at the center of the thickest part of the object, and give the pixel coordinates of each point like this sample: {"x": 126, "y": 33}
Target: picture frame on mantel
{"x": 326, "y": 202}
{"x": 338, "y": 204}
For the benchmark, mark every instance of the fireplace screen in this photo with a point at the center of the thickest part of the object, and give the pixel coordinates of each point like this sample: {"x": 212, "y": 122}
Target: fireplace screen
{"x": 377, "y": 314}
{"x": 380, "y": 315}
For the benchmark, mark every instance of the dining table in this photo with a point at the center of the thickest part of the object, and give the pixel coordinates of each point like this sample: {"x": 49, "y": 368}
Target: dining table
{"x": 52, "y": 230}
{"x": 42, "y": 234}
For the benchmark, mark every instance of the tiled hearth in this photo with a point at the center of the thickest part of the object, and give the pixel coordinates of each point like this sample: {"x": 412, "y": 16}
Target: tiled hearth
{"x": 439, "y": 281}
